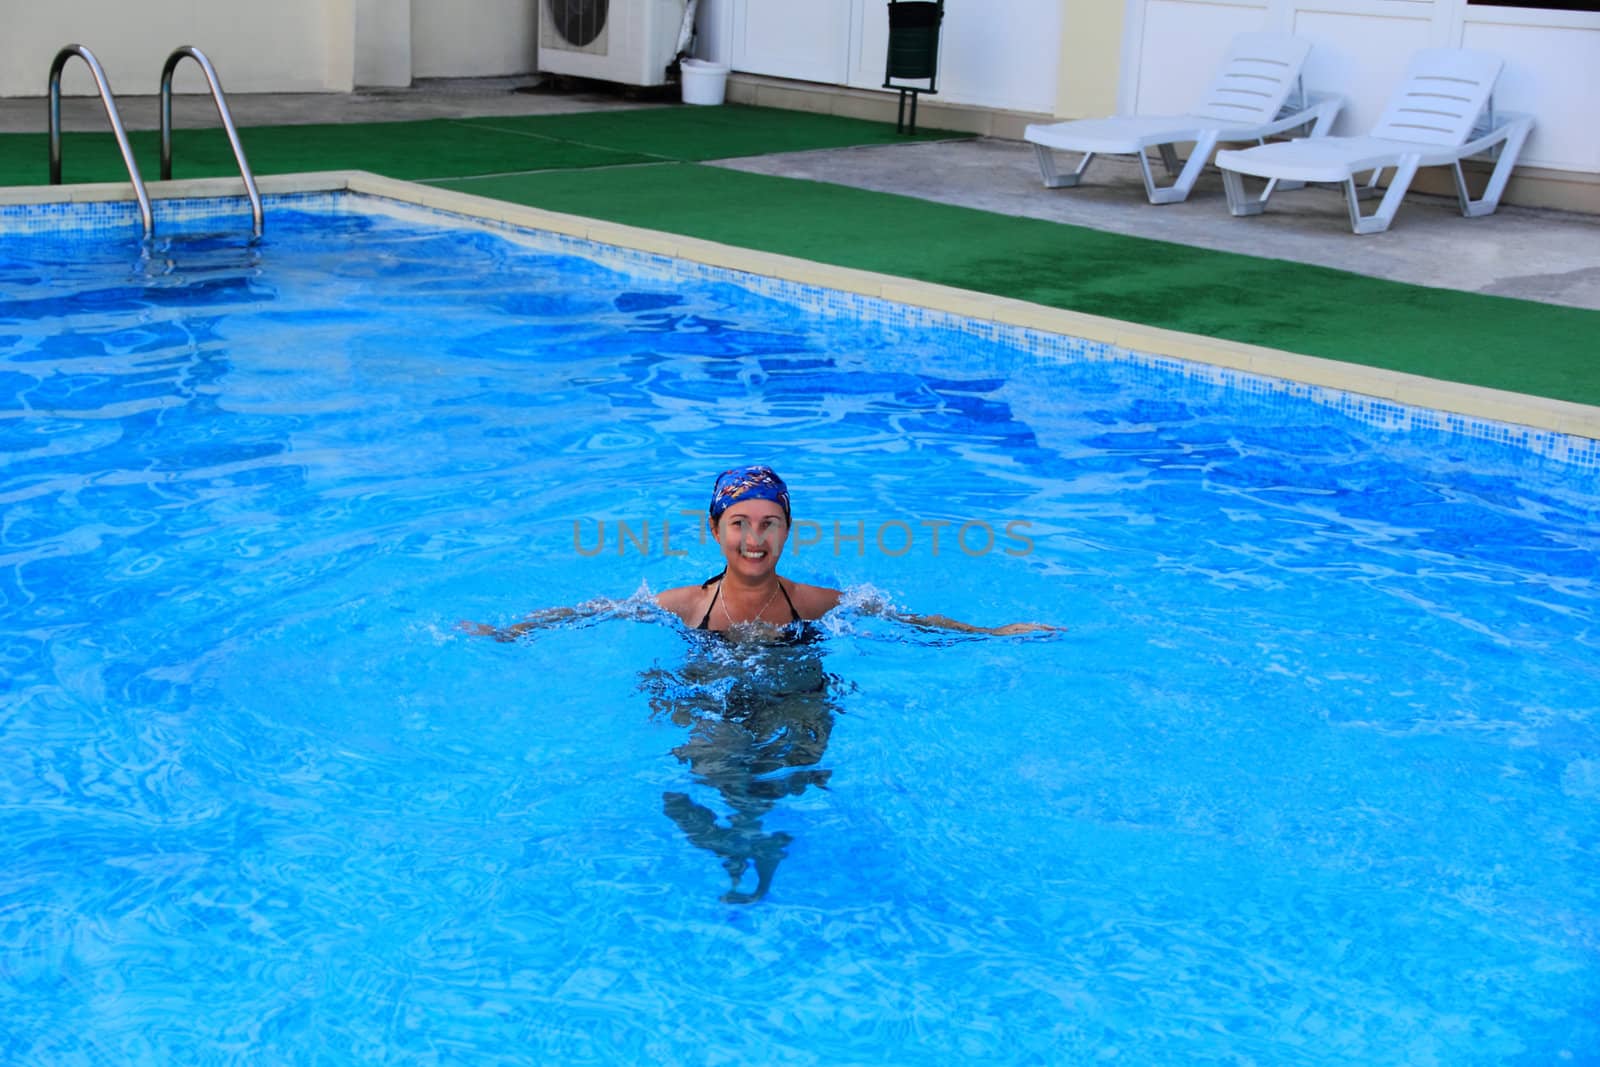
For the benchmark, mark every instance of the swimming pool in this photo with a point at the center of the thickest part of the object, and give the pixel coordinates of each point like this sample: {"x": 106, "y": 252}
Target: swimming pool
{"x": 1313, "y": 777}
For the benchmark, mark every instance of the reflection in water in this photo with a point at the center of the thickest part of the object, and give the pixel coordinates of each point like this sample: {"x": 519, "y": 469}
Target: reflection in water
{"x": 759, "y": 708}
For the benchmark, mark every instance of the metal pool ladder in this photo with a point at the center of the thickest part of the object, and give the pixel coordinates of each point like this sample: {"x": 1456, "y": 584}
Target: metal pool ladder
{"x": 106, "y": 97}
{"x": 111, "y": 114}
{"x": 222, "y": 113}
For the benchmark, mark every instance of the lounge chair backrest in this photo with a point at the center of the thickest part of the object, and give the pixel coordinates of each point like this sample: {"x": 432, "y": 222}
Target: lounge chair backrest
{"x": 1257, "y": 76}
{"x": 1445, "y": 91}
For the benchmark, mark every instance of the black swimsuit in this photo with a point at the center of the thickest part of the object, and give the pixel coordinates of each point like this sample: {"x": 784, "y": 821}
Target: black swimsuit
{"x": 705, "y": 623}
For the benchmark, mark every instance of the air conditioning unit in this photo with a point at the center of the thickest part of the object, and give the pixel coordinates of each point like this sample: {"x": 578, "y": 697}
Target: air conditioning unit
{"x": 626, "y": 41}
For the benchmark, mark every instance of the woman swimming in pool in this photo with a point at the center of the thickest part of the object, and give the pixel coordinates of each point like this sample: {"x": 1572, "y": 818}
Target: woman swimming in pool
{"x": 758, "y": 713}
{"x": 750, "y": 520}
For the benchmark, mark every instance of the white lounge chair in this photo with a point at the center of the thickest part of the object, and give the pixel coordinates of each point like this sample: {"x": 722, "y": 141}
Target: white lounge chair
{"x": 1255, "y": 95}
{"x": 1442, "y": 114}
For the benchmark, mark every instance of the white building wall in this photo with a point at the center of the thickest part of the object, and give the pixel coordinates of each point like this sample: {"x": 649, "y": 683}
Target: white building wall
{"x": 382, "y": 42}
{"x": 283, "y": 46}
{"x": 998, "y": 55}
{"x": 473, "y": 38}
{"x": 278, "y": 46}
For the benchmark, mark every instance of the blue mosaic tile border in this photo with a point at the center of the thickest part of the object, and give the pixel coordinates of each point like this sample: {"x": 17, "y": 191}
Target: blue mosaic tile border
{"x": 95, "y": 219}
{"x": 1388, "y": 416}
{"x": 120, "y": 218}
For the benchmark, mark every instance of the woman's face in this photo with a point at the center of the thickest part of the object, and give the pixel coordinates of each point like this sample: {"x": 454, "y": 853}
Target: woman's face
{"x": 751, "y": 534}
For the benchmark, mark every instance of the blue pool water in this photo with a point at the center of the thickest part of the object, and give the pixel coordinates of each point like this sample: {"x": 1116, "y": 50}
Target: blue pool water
{"x": 1313, "y": 776}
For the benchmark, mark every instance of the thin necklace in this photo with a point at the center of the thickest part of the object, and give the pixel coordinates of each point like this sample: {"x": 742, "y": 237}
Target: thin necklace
{"x": 763, "y": 610}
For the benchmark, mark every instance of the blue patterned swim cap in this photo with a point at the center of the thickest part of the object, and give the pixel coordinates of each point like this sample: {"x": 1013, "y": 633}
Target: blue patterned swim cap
{"x": 748, "y": 483}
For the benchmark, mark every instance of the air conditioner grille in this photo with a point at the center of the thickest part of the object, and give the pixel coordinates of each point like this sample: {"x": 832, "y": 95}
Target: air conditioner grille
{"x": 579, "y": 24}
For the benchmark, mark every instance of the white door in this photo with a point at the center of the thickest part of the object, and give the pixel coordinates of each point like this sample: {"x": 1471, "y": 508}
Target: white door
{"x": 992, "y": 53}
{"x": 804, "y": 39}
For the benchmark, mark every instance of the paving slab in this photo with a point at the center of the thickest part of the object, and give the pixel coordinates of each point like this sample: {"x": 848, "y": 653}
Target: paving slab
{"x": 1533, "y": 254}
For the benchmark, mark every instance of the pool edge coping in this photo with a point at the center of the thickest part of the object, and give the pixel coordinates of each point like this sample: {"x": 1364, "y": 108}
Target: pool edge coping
{"x": 1459, "y": 398}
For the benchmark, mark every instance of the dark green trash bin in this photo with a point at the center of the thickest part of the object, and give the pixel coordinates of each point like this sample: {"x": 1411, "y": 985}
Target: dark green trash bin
{"x": 913, "y": 53}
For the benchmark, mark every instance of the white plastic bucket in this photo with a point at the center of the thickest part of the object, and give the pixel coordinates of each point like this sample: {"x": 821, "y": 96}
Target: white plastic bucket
{"x": 704, "y": 82}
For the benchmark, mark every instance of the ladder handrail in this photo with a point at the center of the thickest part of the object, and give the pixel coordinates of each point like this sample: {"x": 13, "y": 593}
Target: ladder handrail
{"x": 222, "y": 112}
{"x": 111, "y": 114}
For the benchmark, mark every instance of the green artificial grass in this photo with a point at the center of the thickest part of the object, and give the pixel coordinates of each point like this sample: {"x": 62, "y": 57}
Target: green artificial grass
{"x": 1498, "y": 342}
{"x": 411, "y": 150}
{"x": 450, "y": 148}
{"x": 696, "y": 134}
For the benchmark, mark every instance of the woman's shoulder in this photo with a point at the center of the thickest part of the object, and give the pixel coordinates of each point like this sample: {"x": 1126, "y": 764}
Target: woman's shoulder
{"x": 813, "y": 601}
{"x": 683, "y": 598}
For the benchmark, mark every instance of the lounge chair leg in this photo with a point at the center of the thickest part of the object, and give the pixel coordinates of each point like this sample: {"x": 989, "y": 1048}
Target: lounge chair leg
{"x": 1463, "y": 196}
{"x": 1508, "y": 153}
{"x": 1327, "y": 111}
{"x": 1352, "y": 200}
{"x": 1169, "y": 159}
{"x": 1379, "y": 220}
{"x": 1185, "y": 178}
{"x": 1240, "y": 202}
{"x": 1051, "y": 177}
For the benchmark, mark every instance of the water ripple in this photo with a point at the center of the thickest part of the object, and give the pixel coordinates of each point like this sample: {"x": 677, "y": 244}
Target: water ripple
{"x": 1310, "y": 776}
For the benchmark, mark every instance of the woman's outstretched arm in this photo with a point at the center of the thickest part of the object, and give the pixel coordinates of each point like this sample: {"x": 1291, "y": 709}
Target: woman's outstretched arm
{"x": 537, "y": 620}
{"x": 943, "y": 622}
{"x": 637, "y": 606}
